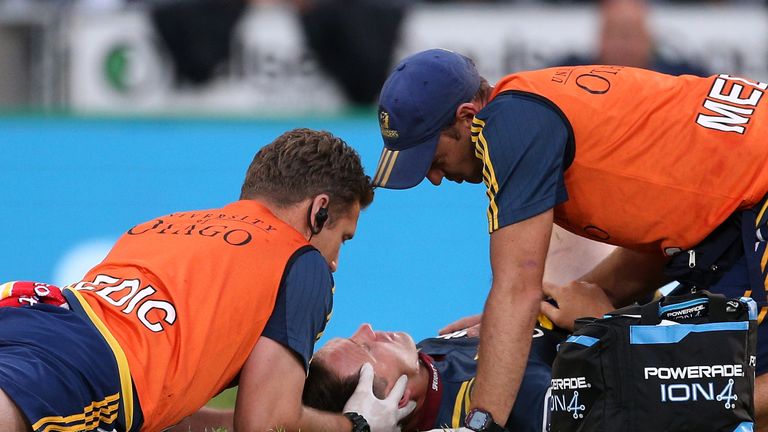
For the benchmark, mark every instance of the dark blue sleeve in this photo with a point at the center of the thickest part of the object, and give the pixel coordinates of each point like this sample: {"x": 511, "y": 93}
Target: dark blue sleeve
{"x": 522, "y": 141}
{"x": 303, "y": 306}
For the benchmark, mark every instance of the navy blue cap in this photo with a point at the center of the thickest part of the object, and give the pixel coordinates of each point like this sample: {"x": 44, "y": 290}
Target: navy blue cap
{"x": 417, "y": 101}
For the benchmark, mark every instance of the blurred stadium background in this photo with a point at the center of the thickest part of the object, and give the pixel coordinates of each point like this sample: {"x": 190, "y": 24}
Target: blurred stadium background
{"x": 112, "y": 112}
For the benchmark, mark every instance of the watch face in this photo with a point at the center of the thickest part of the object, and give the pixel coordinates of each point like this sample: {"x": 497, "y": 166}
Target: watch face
{"x": 477, "y": 420}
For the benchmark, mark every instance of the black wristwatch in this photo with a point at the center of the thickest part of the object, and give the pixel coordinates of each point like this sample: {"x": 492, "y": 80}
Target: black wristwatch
{"x": 481, "y": 421}
{"x": 359, "y": 424}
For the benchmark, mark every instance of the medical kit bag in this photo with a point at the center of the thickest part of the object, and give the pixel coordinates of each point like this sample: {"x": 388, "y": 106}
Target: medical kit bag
{"x": 680, "y": 363}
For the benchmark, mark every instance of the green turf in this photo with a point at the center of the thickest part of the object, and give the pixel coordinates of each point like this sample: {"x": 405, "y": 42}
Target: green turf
{"x": 225, "y": 399}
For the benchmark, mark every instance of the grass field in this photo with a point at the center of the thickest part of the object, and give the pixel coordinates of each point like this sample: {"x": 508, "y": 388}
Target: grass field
{"x": 225, "y": 399}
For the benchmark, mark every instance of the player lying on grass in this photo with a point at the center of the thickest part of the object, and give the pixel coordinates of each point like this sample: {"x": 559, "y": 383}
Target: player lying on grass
{"x": 441, "y": 371}
{"x": 570, "y": 256}
{"x": 441, "y": 375}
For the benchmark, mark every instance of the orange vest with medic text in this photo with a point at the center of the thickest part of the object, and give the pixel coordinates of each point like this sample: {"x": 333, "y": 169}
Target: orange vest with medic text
{"x": 186, "y": 297}
{"x": 660, "y": 161}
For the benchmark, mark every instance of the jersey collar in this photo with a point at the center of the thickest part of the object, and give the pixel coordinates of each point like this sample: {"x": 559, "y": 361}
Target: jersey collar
{"x": 431, "y": 405}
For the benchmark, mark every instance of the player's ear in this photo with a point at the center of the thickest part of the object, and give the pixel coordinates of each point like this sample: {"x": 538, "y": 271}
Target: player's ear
{"x": 404, "y": 400}
{"x": 466, "y": 112}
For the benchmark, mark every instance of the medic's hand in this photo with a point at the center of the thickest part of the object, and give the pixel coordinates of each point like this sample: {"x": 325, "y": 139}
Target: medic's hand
{"x": 382, "y": 415}
{"x": 576, "y": 300}
{"x": 471, "y": 324}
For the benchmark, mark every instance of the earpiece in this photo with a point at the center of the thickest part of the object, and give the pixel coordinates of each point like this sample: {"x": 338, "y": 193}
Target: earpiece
{"x": 320, "y": 218}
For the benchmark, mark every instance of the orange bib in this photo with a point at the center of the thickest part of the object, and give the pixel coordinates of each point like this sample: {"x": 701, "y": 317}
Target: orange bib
{"x": 660, "y": 161}
{"x": 187, "y": 296}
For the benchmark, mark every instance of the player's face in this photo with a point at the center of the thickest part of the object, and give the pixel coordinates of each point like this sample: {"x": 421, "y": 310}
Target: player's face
{"x": 391, "y": 353}
{"x": 335, "y": 233}
{"x": 455, "y": 159}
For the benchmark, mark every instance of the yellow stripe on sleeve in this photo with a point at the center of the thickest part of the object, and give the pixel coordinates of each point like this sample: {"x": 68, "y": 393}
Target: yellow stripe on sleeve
{"x": 764, "y": 258}
{"x": 479, "y": 152}
{"x": 126, "y": 388}
{"x": 477, "y": 126}
{"x": 765, "y": 282}
{"x": 762, "y": 212}
{"x": 468, "y": 395}
{"x": 493, "y": 188}
{"x": 79, "y": 427}
{"x": 105, "y": 409}
{"x": 457, "y": 405}
{"x": 489, "y": 174}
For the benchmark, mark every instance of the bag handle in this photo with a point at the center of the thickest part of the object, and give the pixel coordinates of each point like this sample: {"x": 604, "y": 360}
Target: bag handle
{"x": 649, "y": 313}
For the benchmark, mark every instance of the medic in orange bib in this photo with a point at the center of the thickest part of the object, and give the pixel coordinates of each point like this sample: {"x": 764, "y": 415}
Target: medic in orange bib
{"x": 649, "y": 162}
{"x": 188, "y": 304}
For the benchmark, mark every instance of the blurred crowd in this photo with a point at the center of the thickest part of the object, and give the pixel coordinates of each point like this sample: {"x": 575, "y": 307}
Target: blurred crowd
{"x": 626, "y": 40}
{"x": 353, "y": 40}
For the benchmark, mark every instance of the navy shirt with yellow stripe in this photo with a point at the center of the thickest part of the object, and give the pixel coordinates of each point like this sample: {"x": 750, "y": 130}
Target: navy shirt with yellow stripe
{"x": 522, "y": 141}
{"x": 303, "y": 306}
{"x": 71, "y": 379}
{"x": 455, "y": 359}
{"x": 61, "y": 373}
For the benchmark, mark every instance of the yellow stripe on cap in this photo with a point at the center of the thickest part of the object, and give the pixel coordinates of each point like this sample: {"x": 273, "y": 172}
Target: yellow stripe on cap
{"x": 386, "y": 154}
{"x": 126, "y": 387}
{"x": 391, "y": 165}
{"x": 386, "y": 163}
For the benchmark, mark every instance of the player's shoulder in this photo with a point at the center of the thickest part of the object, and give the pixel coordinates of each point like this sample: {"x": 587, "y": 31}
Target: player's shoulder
{"x": 511, "y": 105}
{"x": 308, "y": 266}
{"x": 308, "y": 257}
{"x": 443, "y": 345}
{"x": 525, "y": 117}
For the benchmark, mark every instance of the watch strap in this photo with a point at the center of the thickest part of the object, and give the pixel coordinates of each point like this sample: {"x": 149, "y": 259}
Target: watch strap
{"x": 489, "y": 424}
{"x": 494, "y": 427}
{"x": 359, "y": 423}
